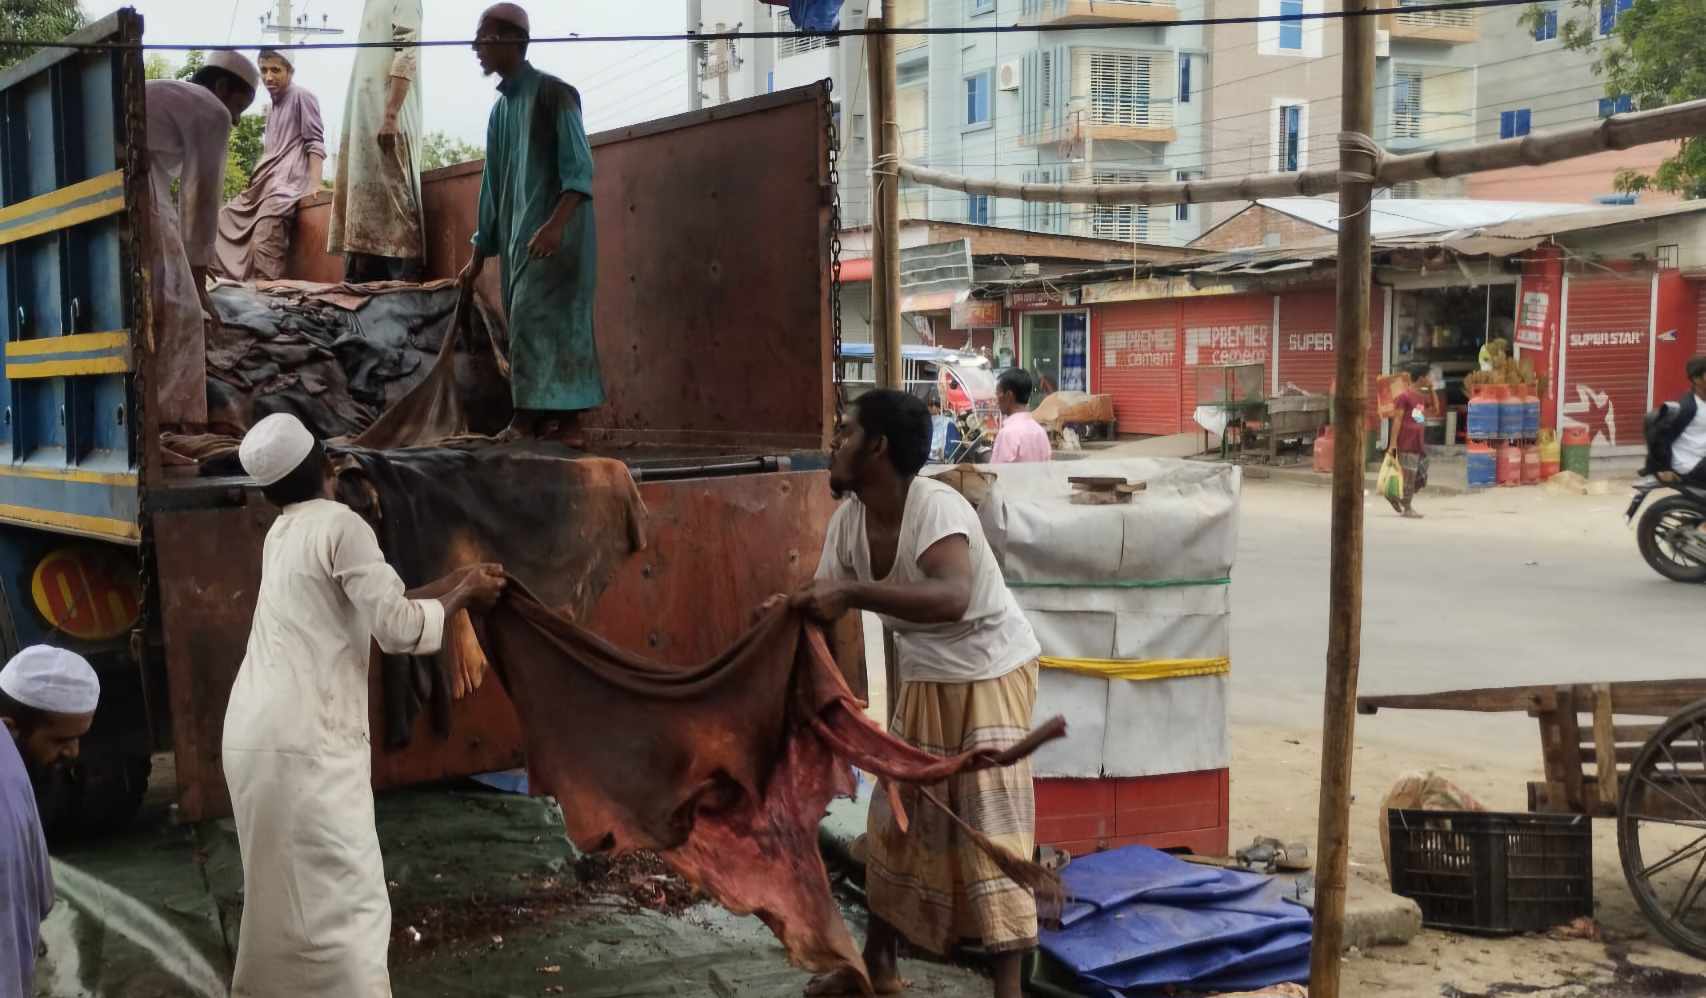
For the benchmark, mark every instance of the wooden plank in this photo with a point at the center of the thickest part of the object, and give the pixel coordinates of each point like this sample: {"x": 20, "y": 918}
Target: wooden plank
{"x": 1644, "y": 698}
{"x": 1566, "y": 745}
{"x": 1604, "y": 746}
{"x": 1507, "y": 699}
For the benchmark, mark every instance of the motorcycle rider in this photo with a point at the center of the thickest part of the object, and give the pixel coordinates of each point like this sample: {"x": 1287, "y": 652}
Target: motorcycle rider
{"x": 1676, "y": 454}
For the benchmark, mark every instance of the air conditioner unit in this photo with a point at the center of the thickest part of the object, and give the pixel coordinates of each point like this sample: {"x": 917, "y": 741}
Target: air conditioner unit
{"x": 1382, "y": 43}
{"x": 1009, "y": 75}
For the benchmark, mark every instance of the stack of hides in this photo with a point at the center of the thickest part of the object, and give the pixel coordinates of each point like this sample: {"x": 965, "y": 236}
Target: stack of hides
{"x": 1141, "y": 923}
{"x": 1132, "y": 606}
{"x": 338, "y": 355}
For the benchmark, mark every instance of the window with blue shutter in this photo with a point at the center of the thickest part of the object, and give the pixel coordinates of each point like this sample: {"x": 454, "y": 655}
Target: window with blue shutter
{"x": 977, "y": 209}
{"x": 1290, "y": 129}
{"x": 1291, "y": 32}
{"x": 1546, "y": 28}
{"x": 1184, "y": 79}
{"x": 977, "y": 97}
{"x": 1609, "y": 10}
{"x": 1513, "y": 124}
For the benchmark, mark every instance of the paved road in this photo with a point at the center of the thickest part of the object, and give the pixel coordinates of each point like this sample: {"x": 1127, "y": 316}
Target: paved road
{"x": 1502, "y": 588}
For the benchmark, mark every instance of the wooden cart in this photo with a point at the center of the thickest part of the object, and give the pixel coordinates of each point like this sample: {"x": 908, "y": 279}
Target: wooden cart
{"x": 1633, "y": 751}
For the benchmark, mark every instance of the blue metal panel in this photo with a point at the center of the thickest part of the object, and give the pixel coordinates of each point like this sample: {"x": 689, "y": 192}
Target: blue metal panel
{"x": 69, "y": 458}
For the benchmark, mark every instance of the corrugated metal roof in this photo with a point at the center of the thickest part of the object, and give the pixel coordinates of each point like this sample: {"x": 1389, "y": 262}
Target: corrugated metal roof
{"x": 1593, "y": 218}
{"x": 1408, "y": 216}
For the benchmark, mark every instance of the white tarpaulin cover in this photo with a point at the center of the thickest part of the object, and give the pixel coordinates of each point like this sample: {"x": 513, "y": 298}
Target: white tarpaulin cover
{"x": 1132, "y": 606}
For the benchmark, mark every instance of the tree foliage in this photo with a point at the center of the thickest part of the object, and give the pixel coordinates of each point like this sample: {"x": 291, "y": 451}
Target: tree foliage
{"x": 1655, "y": 54}
{"x": 440, "y": 150}
{"x": 39, "y": 20}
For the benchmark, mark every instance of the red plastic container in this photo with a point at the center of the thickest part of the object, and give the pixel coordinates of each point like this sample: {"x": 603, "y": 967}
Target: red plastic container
{"x": 1322, "y": 459}
{"x": 1510, "y": 465}
{"x": 1550, "y": 468}
{"x": 1531, "y": 466}
{"x": 1575, "y": 436}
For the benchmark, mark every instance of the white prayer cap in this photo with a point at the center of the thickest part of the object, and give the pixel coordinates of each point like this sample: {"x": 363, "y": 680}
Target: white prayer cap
{"x": 285, "y": 56}
{"x": 508, "y": 13}
{"x": 51, "y": 679}
{"x": 274, "y": 448}
{"x": 238, "y": 65}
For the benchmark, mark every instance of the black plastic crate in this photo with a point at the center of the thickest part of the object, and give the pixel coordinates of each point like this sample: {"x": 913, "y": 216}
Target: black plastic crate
{"x": 1493, "y": 872}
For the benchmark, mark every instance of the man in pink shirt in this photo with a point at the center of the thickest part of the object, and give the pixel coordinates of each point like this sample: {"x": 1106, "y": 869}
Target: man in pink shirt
{"x": 1021, "y": 438}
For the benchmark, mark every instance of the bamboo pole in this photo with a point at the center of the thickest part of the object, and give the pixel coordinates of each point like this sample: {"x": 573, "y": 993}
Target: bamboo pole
{"x": 1623, "y": 131}
{"x": 885, "y": 210}
{"x": 1350, "y": 407}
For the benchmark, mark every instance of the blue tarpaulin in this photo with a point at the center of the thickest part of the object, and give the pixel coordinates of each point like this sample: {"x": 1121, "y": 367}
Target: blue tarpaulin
{"x": 1140, "y": 921}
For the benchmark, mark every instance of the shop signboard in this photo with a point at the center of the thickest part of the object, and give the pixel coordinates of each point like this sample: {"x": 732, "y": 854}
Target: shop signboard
{"x": 977, "y": 313}
{"x": 1531, "y": 319}
{"x": 1042, "y": 300}
{"x": 1152, "y": 289}
{"x": 1208, "y": 346}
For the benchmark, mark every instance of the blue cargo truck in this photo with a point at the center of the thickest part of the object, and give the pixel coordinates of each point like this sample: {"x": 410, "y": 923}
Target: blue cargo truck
{"x": 151, "y": 572}
{"x": 73, "y": 304}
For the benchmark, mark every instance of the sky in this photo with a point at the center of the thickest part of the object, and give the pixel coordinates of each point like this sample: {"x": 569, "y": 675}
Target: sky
{"x": 620, "y": 83}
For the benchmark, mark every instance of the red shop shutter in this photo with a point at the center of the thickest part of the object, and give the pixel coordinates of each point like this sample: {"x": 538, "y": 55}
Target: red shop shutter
{"x": 1223, "y": 329}
{"x": 1308, "y": 341}
{"x": 1700, "y": 321}
{"x": 1606, "y": 345}
{"x": 1138, "y": 358}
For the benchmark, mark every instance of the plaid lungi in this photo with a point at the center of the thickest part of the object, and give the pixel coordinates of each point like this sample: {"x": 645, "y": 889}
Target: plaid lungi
{"x": 1415, "y": 473}
{"x": 932, "y": 885}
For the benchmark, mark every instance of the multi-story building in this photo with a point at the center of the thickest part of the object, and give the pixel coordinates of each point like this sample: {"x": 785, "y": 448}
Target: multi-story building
{"x": 1130, "y": 90}
{"x": 1526, "y": 80}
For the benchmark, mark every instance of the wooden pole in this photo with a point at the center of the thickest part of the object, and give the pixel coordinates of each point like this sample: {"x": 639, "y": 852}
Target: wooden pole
{"x": 1357, "y": 166}
{"x": 1623, "y": 131}
{"x": 885, "y": 210}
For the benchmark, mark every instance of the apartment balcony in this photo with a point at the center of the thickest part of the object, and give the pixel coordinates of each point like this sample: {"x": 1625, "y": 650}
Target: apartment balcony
{"x": 911, "y": 14}
{"x": 1108, "y": 121}
{"x": 1447, "y": 27}
{"x": 1045, "y": 12}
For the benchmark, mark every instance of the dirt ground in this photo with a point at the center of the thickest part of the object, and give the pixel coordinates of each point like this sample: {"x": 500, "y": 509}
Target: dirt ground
{"x": 1268, "y": 798}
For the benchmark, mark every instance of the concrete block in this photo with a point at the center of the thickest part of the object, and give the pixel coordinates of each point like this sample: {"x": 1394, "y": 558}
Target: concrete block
{"x": 1377, "y": 917}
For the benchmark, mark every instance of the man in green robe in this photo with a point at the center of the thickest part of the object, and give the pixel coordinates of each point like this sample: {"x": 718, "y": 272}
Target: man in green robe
{"x": 536, "y": 216}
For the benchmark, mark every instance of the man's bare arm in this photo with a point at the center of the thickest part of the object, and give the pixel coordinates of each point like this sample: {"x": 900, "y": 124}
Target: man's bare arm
{"x": 943, "y": 597}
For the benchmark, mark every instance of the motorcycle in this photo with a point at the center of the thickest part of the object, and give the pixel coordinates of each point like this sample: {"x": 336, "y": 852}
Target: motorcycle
{"x": 1669, "y": 533}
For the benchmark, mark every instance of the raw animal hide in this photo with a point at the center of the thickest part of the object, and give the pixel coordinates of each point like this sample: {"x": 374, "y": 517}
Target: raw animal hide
{"x": 723, "y": 769}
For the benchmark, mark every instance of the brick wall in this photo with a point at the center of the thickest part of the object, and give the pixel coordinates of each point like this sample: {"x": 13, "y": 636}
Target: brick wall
{"x": 1250, "y": 229}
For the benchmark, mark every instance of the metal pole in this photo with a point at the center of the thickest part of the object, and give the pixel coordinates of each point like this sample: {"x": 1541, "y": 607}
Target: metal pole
{"x": 1350, "y": 410}
{"x": 695, "y": 99}
{"x": 885, "y": 211}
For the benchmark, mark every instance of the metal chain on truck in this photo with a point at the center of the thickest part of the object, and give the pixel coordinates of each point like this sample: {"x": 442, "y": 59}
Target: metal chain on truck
{"x": 835, "y": 259}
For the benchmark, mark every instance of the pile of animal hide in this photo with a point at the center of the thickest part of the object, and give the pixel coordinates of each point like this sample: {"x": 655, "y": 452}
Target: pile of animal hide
{"x": 725, "y": 769}
{"x": 339, "y": 355}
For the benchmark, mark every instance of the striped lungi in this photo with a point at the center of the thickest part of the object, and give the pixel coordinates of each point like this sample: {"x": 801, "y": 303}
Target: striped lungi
{"x": 932, "y": 885}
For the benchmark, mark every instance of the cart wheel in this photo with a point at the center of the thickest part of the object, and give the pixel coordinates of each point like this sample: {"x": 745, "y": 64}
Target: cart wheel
{"x": 1661, "y": 829}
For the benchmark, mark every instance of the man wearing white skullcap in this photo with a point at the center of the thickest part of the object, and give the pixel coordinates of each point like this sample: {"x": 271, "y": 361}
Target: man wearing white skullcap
{"x": 47, "y": 702}
{"x": 297, "y": 750}
{"x": 189, "y": 127}
{"x": 536, "y": 217}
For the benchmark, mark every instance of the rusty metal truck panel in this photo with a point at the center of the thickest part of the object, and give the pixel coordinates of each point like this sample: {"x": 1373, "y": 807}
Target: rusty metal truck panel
{"x": 73, "y": 183}
{"x": 713, "y": 294}
{"x": 717, "y": 548}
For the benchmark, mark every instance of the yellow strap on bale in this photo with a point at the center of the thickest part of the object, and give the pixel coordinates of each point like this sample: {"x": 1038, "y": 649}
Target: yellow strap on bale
{"x": 1140, "y": 668}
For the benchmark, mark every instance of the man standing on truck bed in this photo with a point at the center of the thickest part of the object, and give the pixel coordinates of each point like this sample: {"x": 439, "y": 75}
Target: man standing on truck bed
{"x": 254, "y": 228}
{"x": 189, "y": 126}
{"x": 296, "y": 749}
{"x": 913, "y": 551}
{"x": 536, "y": 217}
{"x": 47, "y": 702}
{"x": 377, "y": 225}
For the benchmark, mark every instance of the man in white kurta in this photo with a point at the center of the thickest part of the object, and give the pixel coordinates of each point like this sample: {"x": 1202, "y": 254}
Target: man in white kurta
{"x": 377, "y": 225}
{"x": 297, "y": 749}
{"x": 189, "y": 126}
